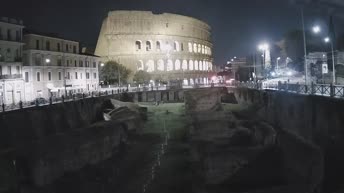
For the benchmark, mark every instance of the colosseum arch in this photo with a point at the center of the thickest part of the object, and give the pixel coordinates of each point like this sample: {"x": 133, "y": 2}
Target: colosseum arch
{"x": 185, "y": 65}
{"x": 195, "y": 47}
{"x": 169, "y": 65}
{"x": 177, "y": 65}
{"x": 139, "y": 65}
{"x": 202, "y": 49}
{"x": 192, "y": 82}
{"x": 196, "y": 65}
{"x": 148, "y": 45}
{"x": 150, "y": 66}
{"x": 185, "y": 81}
{"x": 176, "y": 46}
{"x": 191, "y": 65}
{"x": 206, "y": 50}
{"x": 199, "y": 48}
{"x": 190, "y": 46}
{"x": 200, "y": 65}
{"x": 138, "y": 45}
{"x": 205, "y": 80}
{"x": 161, "y": 65}
{"x": 158, "y": 45}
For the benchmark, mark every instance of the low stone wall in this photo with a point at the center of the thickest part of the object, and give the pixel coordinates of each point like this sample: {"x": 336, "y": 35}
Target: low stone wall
{"x": 316, "y": 119}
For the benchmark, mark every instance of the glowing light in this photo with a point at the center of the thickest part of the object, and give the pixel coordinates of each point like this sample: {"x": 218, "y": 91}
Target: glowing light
{"x": 102, "y": 64}
{"x": 327, "y": 39}
{"x": 47, "y": 60}
{"x": 316, "y": 29}
{"x": 263, "y": 47}
{"x": 289, "y": 73}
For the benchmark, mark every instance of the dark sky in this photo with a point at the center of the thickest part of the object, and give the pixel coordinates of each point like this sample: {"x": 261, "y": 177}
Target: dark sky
{"x": 237, "y": 25}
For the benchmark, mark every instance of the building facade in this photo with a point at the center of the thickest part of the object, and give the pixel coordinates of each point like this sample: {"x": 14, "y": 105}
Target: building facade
{"x": 11, "y": 47}
{"x": 54, "y": 67}
{"x": 169, "y": 46}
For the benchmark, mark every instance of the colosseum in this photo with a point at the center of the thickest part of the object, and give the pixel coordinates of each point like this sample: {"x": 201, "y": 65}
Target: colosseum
{"x": 170, "y": 47}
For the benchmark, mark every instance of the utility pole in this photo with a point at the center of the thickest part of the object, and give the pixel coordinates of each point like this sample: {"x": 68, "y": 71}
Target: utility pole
{"x": 304, "y": 45}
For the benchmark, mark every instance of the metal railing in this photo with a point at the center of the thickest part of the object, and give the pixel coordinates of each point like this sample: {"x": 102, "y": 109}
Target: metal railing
{"x": 329, "y": 90}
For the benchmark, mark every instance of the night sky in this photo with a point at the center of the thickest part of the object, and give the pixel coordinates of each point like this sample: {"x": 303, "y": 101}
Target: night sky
{"x": 237, "y": 25}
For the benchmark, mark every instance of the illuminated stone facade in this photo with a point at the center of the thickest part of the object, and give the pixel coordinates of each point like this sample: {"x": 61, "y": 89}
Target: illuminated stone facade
{"x": 169, "y": 46}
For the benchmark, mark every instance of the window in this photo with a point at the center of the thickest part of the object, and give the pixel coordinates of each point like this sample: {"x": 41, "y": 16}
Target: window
{"x": 37, "y": 44}
{"x": 49, "y": 76}
{"x": 60, "y": 76}
{"x": 148, "y": 45}
{"x": 181, "y": 46}
{"x": 80, "y": 75}
{"x": 94, "y": 64}
{"x": 9, "y": 37}
{"x": 176, "y": 46}
{"x": 158, "y": 45}
{"x": 87, "y": 75}
{"x": 76, "y": 75}
{"x": 68, "y": 75}
{"x": 74, "y": 49}
{"x": 9, "y": 70}
{"x": 38, "y": 76}
{"x": 138, "y": 45}
{"x": 47, "y": 45}
{"x": 67, "y": 62}
{"x": 17, "y": 35}
{"x": 58, "y": 47}
{"x": 59, "y": 62}
{"x": 18, "y": 69}
{"x": 87, "y": 63}
{"x": 95, "y": 75}
{"x": 75, "y": 63}
{"x": 81, "y": 63}
{"x": 66, "y": 47}
{"x": 26, "y": 76}
{"x": 37, "y": 60}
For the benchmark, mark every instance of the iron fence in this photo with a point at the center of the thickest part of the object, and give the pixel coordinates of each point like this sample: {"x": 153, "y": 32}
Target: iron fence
{"x": 329, "y": 90}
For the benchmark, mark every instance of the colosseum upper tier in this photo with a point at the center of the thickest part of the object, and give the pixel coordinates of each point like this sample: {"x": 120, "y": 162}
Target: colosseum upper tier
{"x": 169, "y": 46}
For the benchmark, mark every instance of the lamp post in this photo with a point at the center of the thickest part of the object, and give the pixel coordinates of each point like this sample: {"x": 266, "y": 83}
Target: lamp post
{"x": 278, "y": 59}
{"x": 328, "y": 40}
{"x": 264, "y": 47}
{"x": 304, "y": 45}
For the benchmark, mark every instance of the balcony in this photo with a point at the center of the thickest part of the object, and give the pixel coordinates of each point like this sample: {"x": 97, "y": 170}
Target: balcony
{"x": 11, "y": 76}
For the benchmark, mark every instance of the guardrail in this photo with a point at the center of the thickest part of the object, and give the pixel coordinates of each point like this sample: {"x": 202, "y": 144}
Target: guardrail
{"x": 329, "y": 90}
{"x": 102, "y": 92}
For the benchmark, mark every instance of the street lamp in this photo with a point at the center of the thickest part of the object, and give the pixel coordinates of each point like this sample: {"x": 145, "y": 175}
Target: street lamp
{"x": 328, "y": 40}
{"x": 102, "y": 64}
{"x": 316, "y": 29}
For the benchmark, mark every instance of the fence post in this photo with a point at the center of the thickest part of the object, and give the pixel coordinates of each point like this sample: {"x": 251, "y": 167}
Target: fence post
{"x": 312, "y": 88}
{"x": 63, "y": 98}
{"x": 279, "y": 85}
{"x": 92, "y": 94}
{"x": 297, "y": 87}
{"x": 3, "y": 107}
{"x": 73, "y": 97}
{"x": 50, "y": 100}
{"x": 20, "y": 104}
{"x": 112, "y": 92}
{"x": 83, "y": 95}
{"x": 106, "y": 93}
{"x": 36, "y": 102}
{"x": 332, "y": 90}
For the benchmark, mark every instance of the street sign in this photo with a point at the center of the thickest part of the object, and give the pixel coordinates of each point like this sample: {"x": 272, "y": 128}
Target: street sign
{"x": 324, "y": 68}
{"x": 69, "y": 85}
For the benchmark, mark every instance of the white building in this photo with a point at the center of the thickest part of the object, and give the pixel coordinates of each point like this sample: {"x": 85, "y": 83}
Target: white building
{"x": 11, "y": 46}
{"x": 54, "y": 67}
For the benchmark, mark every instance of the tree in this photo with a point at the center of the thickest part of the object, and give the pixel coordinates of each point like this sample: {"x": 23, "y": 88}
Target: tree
{"x": 142, "y": 77}
{"x": 112, "y": 72}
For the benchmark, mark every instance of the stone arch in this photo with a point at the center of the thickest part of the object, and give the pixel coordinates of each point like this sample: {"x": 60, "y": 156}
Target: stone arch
{"x": 169, "y": 65}
{"x": 205, "y": 63}
{"x": 185, "y": 81}
{"x": 190, "y": 46}
{"x": 148, "y": 45}
{"x": 158, "y": 45}
{"x": 161, "y": 65}
{"x": 205, "y": 80}
{"x": 139, "y": 65}
{"x": 185, "y": 65}
{"x": 200, "y": 65}
{"x": 195, "y": 47}
{"x": 138, "y": 45}
{"x": 192, "y": 82}
{"x": 176, "y": 46}
{"x": 203, "y": 49}
{"x": 191, "y": 65}
{"x": 177, "y": 65}
{"x": 206, "y": 50}
{"x": 196, "y": 65}
{"x": 199, "y": 48}
{"x": 150, "y": 66}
